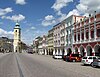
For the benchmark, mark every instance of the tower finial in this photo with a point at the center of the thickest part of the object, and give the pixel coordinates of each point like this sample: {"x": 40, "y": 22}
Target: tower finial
{"x": 17, "y": 23}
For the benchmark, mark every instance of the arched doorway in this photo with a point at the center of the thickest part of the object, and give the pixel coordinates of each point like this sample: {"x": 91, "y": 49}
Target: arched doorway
{"x": 76, "y": 50}
{"x": 89, "y": 51}
{"x": 51, "y": 53}
{"x": 97, "y": 50}
{"x": 47, "y": 52}
{"x": 55, "y": 51}
{"x": 69, "y": 51}
{"x": 63, "y": 51}
{"x": 58, "y": 51}
{"x": 82, "y": 51}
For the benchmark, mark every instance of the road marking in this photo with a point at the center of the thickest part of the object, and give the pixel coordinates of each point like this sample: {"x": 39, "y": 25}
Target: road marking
{"x": 20, "y": 71}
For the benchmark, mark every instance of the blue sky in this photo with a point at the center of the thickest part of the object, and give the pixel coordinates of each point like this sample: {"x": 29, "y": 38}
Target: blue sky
{"x": 36, "y": 17}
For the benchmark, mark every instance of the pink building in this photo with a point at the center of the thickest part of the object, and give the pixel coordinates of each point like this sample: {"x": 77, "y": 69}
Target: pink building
{"x": 86, "y": 40}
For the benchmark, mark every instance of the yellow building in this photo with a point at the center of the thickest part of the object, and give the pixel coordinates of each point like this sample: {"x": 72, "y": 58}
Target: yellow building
{"x": 50, "y": 42}
{"x": 17, "y": 38}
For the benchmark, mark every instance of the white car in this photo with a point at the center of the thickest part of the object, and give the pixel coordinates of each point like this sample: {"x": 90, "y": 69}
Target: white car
{"x": 57, "y": 56}
{"x": 88, "y": 60}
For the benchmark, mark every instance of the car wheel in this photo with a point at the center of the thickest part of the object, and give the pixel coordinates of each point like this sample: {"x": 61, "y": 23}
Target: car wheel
{"x": 74, "y": 60}
{"x": 93, "y": 65}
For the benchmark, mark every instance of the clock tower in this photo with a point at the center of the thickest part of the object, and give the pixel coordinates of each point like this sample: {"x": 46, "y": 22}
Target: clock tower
{"x": 17, "y": 38}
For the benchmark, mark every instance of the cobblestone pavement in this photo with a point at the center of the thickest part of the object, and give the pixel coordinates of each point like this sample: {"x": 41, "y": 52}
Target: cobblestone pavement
{"x": 33, "y": 65}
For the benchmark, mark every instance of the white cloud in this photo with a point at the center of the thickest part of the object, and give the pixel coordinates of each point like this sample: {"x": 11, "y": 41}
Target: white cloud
{"x": 59, "y": 4}
{"x": 49, "y": 17}
{"x": 88, "y": 6}
{"x": 49, "y": 20}
{"x": 21, "y": 2}
{"x": 33, "y": 28}
{"x": 83, "y": 8}
{"x": 73, "y": 12}
{"x": 6, "y": 33}
{"x": 14, "y": 17}
{"x": 5, "y": 11}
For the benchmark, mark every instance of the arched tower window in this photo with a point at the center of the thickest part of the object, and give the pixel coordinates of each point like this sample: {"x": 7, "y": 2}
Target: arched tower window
{"x": 16, "y": 31}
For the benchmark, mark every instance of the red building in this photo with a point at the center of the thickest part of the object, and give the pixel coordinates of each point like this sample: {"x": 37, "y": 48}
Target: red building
{"x": 86, "y": 39}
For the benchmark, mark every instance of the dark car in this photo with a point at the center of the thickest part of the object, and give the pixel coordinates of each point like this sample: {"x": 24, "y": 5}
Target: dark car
{"x": 64, "y": 57}
{"x": 74, "y": 58}
{"x": 30, "y": 52}
{"x": 96, "y": 62}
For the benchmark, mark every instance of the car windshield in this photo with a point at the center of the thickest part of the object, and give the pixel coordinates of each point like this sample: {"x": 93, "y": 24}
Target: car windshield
{"x": 98, "y": 57}
{"x": 90, "y": 58}
{"x": 84, "y": 57}
{"x": 94, "y": 57}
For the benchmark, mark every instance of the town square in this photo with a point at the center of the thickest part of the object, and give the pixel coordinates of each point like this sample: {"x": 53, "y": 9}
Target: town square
{"x": 49, "y": 38}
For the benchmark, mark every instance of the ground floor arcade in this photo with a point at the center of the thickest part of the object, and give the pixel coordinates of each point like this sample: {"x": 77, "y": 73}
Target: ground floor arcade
{"x": 87, "y": 49}
{"x": 62, "y": 51}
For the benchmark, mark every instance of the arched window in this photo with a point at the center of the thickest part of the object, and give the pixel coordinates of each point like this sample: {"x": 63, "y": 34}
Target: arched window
{"x": 16, "y": 31}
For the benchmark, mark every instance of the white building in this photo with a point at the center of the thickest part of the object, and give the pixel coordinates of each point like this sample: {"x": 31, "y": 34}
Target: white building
{"x": 69, "y": 32}
{"x": 63, "y": 35}
{"x": 56, "y": 42}
{"x": 17, "y": 38}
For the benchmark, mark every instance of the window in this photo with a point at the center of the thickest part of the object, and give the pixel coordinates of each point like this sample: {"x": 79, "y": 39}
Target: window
{"x": 16, "y": 31}
{"x": 92, "y": 34}
{"x": 74, "y": 37}
{"x": 67, "y": 25}
{"x": 70, "y": 30}
{"x": 87, "y": 35}
{"x": 90, "y": 58}
{"x": 84, "y": 57}
{"x": 98, "y": 32}
{"x": 78, "y": 37}
{"x": 94, "y": 57}
{"x": 67, "y": 32}
{"x": 82, "y": 36}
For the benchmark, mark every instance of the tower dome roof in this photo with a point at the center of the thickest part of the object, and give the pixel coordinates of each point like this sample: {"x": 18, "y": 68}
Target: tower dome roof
{"x": 17, "y": 23}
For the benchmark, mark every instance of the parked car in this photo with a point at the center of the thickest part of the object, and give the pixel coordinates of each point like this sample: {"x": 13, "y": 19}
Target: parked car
{"x": 88, "y": 60}
{"x": 96, "y": 62}
{"x": 74, "y": 58}
{"x": 57, "y": 56}
{"x": 64, "y": 57}
{"x": 30, "y": 52}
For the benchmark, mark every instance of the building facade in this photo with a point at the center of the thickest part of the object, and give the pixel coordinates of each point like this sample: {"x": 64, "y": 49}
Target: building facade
{"x": 50, "y": 42}
{"x": 45, "y": 45}
{"x": 62, "y": 37}
{"x": 6, "y": 45}
{"x": 40, "y": 49}
{"x": 69, "y": 33}
{"x": 17, "y": 38}
{"x": 40, "y": 45}
{"x": 86, "y": 39}
{"x": 56, "y": 38}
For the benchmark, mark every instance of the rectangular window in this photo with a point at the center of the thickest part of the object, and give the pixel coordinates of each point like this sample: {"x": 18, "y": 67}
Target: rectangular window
{"x": 92, "y": 34}
{"x": 87, "y": 35}
{"x": 98, "y": 32}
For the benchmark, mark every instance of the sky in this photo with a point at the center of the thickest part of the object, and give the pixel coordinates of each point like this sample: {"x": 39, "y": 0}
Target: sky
{"x": 36, "y": 17}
